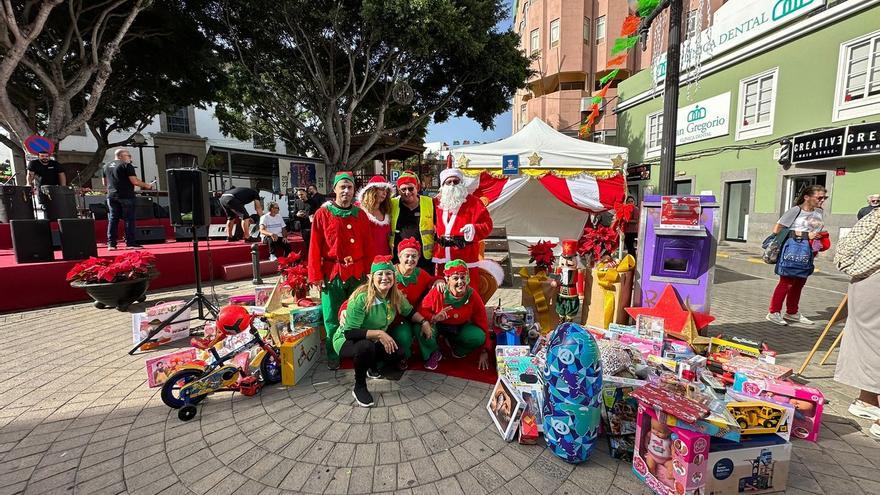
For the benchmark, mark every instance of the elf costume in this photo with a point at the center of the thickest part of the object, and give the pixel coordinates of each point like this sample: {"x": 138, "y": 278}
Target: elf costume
{"x": 414, "y": 286}
{"x": 466, "y": 328}
{"x": 380, "y": 230}
{"x": 452, "y": 243}
{"x": 338, "y": 257}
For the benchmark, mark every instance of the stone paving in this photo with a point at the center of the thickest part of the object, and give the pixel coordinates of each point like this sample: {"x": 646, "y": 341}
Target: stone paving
{"x": 76, "y": 416}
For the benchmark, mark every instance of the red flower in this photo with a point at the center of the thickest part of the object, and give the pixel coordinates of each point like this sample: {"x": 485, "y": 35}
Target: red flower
{"x": 128, "y": 266}
{"x": 598, "y": 242}
{"x": 541, "y": 254}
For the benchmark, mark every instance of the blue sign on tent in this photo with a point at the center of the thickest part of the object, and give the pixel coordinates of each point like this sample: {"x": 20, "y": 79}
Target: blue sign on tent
{"x": 510, "y": 164}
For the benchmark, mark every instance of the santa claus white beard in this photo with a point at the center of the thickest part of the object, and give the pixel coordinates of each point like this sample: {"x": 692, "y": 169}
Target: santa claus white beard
{"x": 452, "y": 196}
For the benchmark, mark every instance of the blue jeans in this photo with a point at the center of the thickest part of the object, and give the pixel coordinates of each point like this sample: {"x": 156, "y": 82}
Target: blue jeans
{"x": 121, "y": 209}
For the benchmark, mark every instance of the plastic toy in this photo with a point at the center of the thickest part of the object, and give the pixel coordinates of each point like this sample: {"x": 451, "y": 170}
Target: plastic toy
{"x": 196, "y": 380}
{"x": 509, "y": 324}
{"x": 755, "y": 466}
{"x": 808, "y": 403}
{"x": 670, "y": 460}
{"x": 573, "y": 386}
{"x": 758, "y": 417}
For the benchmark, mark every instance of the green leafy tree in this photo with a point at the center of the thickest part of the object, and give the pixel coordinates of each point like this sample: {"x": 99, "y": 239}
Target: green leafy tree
{"x": 339, "y": 78}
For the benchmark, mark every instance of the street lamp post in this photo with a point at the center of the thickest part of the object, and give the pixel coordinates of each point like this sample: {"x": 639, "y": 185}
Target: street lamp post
{"x": 140, "y": 142}
{"x": 670, "y": 89}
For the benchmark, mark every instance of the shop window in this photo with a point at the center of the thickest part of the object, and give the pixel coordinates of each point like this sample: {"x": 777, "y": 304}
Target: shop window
{"x": 653, "y": 134}
{"x": 600, "y": 29}
{"x": 535, "y": 41}
{"x": 756, "y": 107}
{"x": 178, "y": 121}
{"x": 858, "y": 78}
{"x": 587, "y": 29}
{"x": 554, "y": 32}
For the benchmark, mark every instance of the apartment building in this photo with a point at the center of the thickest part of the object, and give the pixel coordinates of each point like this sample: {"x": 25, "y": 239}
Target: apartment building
{"x": 571, "y": 41}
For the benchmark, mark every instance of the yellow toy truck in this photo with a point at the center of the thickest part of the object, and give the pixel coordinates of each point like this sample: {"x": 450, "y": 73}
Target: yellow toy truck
{"x": 757, "y": 417}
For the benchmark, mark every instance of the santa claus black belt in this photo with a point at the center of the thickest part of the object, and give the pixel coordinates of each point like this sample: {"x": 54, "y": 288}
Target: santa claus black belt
{"x": 455, "y": 241}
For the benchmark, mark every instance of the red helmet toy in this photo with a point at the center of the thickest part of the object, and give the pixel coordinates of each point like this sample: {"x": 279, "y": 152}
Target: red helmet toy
{"x": 233, "y": 320}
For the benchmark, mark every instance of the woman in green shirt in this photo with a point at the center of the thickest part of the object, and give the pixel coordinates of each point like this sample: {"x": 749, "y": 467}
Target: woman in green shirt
{"x": 363, "y": 337}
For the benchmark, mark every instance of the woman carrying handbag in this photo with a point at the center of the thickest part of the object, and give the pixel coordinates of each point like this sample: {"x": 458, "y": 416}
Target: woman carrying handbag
{"x": 795, "y": 263}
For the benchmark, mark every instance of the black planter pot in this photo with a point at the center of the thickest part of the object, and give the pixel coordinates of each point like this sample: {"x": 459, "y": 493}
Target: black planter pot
{"x": 117, "y": 294}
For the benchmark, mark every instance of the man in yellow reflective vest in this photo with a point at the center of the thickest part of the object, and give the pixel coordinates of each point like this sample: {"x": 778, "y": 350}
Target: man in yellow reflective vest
{"x": 412, "y": 215}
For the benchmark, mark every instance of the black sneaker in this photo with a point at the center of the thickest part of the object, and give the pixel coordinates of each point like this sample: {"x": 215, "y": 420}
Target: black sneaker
{"x": 374, "y": 374}
{"x": 362, "y": 396}
{"x": 111, "y": 248}
{"x": 133, "y": 246}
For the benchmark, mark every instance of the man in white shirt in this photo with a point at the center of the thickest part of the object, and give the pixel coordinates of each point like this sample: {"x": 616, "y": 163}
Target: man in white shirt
{"x": 274, "y": 231}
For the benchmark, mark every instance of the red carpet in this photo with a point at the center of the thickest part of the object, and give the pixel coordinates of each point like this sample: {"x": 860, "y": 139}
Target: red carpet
{"x": 465, "y": 367}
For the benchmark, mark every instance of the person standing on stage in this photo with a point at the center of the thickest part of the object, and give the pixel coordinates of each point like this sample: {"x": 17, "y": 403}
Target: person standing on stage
{"x": 49, "y": 172}
{"x": 339, "y": 255}
{"x": 120, "y": 180}
{"x": 233, "y": 202}
{"x": 315, "y": 199}
{"x": 412, "y": 215}
{"x": 462, "y": 222}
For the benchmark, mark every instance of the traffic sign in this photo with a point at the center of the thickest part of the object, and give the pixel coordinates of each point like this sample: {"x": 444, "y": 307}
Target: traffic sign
{"x": 395, "y": 174}
{"x": 38, "y": 144}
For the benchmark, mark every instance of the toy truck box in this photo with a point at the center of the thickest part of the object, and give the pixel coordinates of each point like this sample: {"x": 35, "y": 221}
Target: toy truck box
{"x": 808, "y": 403}
{"x": 756, "y": 465}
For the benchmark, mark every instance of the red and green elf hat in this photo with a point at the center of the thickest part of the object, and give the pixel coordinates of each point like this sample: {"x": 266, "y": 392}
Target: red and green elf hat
{"x": 381, "y": 263}
{"x": 455, "y": 266}
{"x": 408, "y": 177}
{"x": 343, "y": 176}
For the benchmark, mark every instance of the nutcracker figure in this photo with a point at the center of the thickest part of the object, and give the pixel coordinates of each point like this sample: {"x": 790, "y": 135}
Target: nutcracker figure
{"x": 565, "y": 281}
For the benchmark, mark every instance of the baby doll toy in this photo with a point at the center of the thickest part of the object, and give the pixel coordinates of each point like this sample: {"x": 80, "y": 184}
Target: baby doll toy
{"x": 659, "y": 450}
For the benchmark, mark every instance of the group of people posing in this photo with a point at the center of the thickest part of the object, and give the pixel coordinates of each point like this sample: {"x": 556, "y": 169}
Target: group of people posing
{"x": 394, "y": 270}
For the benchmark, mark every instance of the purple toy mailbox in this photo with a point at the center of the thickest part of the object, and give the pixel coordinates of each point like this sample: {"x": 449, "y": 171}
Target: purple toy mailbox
{"x": 678, "y": 238}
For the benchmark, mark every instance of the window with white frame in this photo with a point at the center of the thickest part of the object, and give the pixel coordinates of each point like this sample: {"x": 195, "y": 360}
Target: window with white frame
{"x": 600, "y": 29}
{"x": 554, "y": 32}
{"x": 522, "y": 115}
{"x": 587, "y": 27}
{"x": 535, "y": 41}
{"x": 654, "y": 134}
{"x": 757, "y": 103}
{"x": 691, "y": 24}
{"x": 858, "y": 78}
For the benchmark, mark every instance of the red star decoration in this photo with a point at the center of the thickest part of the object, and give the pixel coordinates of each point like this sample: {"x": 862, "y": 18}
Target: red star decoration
{"x": 669, "y": 308}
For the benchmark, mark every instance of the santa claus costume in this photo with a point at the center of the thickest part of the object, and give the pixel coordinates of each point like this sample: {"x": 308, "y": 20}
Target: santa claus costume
{"x": 378, "y": 211}
{"x": 462, "y": 221}
{"x": 339, "y": 259}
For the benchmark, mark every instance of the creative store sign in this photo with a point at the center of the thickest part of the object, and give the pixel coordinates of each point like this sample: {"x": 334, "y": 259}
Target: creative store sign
{"x": 705, "y": 119}
{"x": 736, "y": 23}
{"x": 854, "y": 140}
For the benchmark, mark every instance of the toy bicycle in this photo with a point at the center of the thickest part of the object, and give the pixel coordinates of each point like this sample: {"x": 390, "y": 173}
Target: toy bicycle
{"x": 196, "y": 380}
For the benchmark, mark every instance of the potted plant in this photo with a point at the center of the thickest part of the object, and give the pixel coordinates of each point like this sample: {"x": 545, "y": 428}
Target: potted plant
{"x": 294, "y": 275}
{"x": 115, "y": 282}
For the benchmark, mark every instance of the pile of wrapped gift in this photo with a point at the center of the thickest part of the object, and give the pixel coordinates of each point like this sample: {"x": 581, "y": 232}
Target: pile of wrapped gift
{"x": 695, "y": 414}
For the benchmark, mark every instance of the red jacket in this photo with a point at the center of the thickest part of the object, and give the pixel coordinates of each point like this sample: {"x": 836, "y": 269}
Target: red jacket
{"x": 473, "y": 212}
{"x": 471, "y": 310}
{"x": 339, "y": 246}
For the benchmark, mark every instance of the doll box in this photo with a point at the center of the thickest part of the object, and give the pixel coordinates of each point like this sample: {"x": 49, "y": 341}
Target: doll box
{"x": 162, "y": 367}
{"x": 755, "y": 466}
{"x": 670, "y": 460}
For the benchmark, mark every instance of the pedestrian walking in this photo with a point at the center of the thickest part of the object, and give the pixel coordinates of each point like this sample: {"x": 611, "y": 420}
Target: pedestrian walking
{"x": 858, "y": 365}
{"x": 804, "y": 223}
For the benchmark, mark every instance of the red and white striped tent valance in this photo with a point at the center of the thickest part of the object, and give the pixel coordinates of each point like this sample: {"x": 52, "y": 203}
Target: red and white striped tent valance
{"x": 583, "y": 192}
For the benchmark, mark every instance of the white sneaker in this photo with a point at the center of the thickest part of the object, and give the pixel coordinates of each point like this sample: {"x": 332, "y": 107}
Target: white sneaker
{"x": 798, "y": 318}
{"x": 864, "y": 410}
{"x": 776, "y": 318}
{"x": 875, "y": 430}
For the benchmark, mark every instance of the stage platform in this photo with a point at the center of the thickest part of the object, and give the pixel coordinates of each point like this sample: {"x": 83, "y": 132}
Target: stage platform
{"x": 34, "y": 285}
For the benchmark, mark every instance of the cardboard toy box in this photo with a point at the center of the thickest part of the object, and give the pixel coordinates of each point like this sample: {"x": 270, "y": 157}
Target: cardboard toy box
{"x": 619, "y": 420}
{"x": 808, "y": 403}
{"x": 143, "y": 323}
{"x": 298, "y": 357}
{"x": 670, "y": 460}
{"x": 754, "y": 466}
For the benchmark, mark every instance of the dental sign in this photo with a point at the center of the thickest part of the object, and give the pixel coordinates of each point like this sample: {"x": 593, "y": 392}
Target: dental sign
{"x": 735, "y": 23}
{"x": 704, "y": 119}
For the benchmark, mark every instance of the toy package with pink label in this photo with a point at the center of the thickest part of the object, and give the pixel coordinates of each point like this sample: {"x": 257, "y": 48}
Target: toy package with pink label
{"x": 670, "y": 460}
{"x": 807, "y": 401}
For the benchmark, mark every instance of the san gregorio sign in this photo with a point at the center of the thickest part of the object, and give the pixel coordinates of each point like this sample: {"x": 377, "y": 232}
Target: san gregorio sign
{"x": 850, "y": 141}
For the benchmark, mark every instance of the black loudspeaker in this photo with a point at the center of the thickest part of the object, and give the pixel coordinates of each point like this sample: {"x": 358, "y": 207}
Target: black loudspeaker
{"x": 143, "y": 208}
{"x": 77, "y": 238}
{"x": 61, "y": 202}
{"x": 154, "y": 234}
{"x": 99, "y": 211}
{"x": 16, "y": 203}
{"x": 188, "y": 197}
{"x": 32, "y": 241}
{"x": 186, "y": 233}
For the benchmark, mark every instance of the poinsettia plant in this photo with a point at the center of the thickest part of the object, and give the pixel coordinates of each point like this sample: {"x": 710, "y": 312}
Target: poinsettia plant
{"x": 294, "y": 273}
{"x": 598, "y": 242}
{"x": 128, "y": 266}
{"x": 541, "y": 254}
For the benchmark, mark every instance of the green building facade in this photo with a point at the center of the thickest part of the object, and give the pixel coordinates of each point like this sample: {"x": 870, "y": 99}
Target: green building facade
{"x": 819, "y": 73}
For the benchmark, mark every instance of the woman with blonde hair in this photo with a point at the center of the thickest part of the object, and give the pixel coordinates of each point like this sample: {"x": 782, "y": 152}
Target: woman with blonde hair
{"x": 364, "y": 335}
{"x": 375, "y": 200}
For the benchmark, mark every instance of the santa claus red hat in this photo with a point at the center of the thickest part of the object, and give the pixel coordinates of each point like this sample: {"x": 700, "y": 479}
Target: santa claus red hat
{"x": 375, "y": 181}
{"x": 450, "y": 171}
{"x": 409, "y": 243}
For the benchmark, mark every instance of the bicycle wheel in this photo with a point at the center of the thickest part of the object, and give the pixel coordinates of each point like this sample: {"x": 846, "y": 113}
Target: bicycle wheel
{"x": 171, "y": 388}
